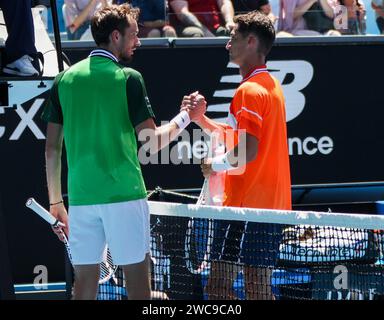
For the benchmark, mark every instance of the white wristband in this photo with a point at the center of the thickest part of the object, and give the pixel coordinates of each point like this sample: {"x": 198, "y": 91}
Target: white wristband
{"x": 182, "y": 120}
{"x": 221, "y": 163}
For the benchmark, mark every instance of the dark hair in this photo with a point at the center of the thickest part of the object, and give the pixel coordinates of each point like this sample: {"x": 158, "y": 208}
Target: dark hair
{"x": 258, "y": 24}
{"x": 357, "y": 3}
{"x": 110, "y": 18}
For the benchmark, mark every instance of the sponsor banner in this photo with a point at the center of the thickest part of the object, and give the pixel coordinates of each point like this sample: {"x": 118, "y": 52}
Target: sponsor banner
{"x": 324, "y": 244}
{"x": 334, "y": 113}
{"x": 348, "y": 282}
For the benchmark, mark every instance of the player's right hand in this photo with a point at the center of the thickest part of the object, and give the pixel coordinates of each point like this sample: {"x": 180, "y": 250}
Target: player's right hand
{"x": 60, "y": 213}
{"x": 59, "y": 231}
{"x": 200, "y": 107}
{"x": 188, "y": 103}
{"x": 195, "y": 105}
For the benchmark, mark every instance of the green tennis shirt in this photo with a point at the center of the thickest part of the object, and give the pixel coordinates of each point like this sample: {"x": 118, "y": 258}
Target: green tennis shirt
{"x": 99, "y": 103}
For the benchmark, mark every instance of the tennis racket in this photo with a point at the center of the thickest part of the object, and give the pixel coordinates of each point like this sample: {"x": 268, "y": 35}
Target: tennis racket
{"x": 200, "y": 232}
{"x": 204, "y": 193}
{"x": 107, "y": 267}
{"x": 197, "y": 237}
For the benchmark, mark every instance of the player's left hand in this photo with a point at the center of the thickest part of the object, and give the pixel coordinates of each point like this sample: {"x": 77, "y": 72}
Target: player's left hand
{"x": 206, "y": 167}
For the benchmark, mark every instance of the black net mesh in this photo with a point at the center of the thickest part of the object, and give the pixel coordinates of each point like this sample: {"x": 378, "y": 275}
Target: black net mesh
{"x": 221, "y": 259}
{"x": 201, "y": 259}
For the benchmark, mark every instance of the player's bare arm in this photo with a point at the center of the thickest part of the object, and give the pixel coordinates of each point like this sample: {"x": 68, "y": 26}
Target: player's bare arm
{"x": 53, "y": 150}
{"x": 155, "y": 138}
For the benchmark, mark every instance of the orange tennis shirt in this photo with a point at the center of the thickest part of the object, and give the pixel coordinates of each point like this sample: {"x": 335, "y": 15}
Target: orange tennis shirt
{"x": 258, "y": 108}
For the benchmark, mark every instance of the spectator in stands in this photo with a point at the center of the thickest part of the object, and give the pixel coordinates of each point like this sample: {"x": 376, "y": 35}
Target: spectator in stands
{"x": 78, "y": 14}
{"x": 355, "y": 15}
{"x": 306, "y": 17}
{"x": 243, "y": 6}
{"x": 202, "y": 18}
{"x": 153, "y": 19}
{"x": 20, "y": 51}
{"x": 378, "y": 6}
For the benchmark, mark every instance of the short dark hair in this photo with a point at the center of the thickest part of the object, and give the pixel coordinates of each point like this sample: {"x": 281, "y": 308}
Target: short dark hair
{"x": 110, "y": 18}
{"x": 260, "y": 25}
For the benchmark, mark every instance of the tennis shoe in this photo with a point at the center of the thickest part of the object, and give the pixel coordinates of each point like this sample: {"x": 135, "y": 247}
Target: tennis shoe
{"x": 22, "y": 67}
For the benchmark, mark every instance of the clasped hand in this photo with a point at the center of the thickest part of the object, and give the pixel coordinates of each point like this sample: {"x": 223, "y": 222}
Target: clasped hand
{"x": 195, "y": 105}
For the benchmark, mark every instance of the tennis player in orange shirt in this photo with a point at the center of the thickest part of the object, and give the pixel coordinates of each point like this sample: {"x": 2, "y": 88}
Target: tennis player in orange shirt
{"x": 262, "y": 179}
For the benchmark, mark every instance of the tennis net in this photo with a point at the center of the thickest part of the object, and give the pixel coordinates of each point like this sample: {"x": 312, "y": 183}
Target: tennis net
{"x": 205, "y": 252}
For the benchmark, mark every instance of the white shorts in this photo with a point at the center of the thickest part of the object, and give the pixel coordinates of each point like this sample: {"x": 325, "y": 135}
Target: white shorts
{"x": 123, "y": 226}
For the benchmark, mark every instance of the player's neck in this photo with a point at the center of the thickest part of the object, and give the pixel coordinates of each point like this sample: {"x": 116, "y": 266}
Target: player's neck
{"x": 248, "y": 66}
{"x": 111, "y": 49}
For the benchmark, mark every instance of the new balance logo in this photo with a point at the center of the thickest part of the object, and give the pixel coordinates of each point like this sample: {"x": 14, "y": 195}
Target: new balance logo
{"x": 301, "y": 70}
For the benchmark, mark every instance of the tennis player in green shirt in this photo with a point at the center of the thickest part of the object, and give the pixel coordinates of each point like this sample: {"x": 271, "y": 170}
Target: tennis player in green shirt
{"x": 96, "y": 107}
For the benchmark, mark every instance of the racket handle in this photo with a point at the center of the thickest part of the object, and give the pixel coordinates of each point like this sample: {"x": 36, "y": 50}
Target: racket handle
{"x": 43, "y": 213}
{"x": 203, "y": 193}
{"x": 37, "y": 208}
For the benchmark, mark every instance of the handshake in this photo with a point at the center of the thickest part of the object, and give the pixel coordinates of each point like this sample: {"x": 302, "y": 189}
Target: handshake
{"x": 195, "y": 105}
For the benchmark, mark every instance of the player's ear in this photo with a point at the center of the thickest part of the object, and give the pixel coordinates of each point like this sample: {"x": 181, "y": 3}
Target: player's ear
{"x": 114, "y": 36}
{"x": 253, "y": 41}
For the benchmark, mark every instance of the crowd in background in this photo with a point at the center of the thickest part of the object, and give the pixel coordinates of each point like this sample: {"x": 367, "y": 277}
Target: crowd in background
{"x": 211, "y": 18}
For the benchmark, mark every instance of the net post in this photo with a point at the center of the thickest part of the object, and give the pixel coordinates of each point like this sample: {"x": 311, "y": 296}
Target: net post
{"x": 7, "y": 291}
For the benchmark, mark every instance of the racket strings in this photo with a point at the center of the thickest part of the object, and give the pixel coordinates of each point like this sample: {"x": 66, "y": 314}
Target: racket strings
{"x": 197, "y": 258}
{"x": 107, "y": 268}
